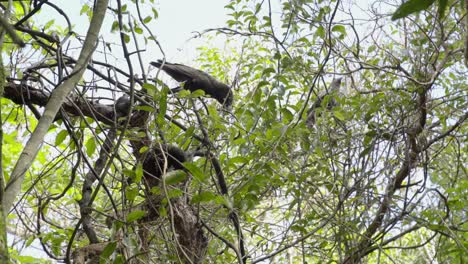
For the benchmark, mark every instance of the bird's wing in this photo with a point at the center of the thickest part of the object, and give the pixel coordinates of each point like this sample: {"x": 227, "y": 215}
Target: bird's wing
{"x": 197, "y": 79}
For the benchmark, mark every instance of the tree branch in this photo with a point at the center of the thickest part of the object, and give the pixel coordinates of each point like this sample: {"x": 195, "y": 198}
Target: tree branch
{"x": 55, "y": 102}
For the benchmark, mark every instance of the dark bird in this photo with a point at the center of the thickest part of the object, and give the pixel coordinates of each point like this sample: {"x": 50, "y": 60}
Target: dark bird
{"x": 333, "y": 90}
{"x": 196, "y": 79}
{"x": 122, "y": 105}
{"x": 158, "y": 157}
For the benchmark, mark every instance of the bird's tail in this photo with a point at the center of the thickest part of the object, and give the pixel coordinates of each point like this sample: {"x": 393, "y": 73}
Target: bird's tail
{"x": 176, "y": 89}
{"x": 157, "y": 63}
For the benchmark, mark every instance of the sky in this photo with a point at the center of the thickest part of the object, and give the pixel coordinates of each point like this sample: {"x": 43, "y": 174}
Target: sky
{"x": 174, "y": 29}
{"x": 179, "y": 19}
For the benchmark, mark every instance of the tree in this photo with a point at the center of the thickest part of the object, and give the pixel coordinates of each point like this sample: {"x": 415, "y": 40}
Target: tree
{"x": 128, "y": 171}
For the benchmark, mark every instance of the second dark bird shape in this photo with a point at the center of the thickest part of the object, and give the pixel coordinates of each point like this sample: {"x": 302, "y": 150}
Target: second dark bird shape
{"x": 333, "y": 90}
{"x": 195, "y": 79}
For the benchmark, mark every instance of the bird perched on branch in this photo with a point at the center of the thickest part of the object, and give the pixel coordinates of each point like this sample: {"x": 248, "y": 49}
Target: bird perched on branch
{"x": 333, "y": 90}
{"x": 122, "y": 105}
{"x": 196, "y": 79}
{"x": 160, "y": 158}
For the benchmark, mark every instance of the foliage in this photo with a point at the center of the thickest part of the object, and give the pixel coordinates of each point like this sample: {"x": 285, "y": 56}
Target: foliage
{"x": 378, "y": 177}
{"x": 414, "y": 6}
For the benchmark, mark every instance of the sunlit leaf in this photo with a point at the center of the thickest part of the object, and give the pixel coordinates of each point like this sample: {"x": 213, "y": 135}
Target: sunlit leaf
{"x": 61, "y": 137}
{"x": 107, "y": 252}
{"x": 410, "y": 7}
{"x": 174, "y": 177}
{"x": 135, "y": 215}
{"x": 90, "y": 146}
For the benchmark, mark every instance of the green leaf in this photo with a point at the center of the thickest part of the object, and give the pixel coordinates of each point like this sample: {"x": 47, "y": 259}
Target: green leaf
{"x": 365, "y": 151}
{"x": 197, "y": 93}
{"x": 84, "y": 9}
{"x": 183, "y": 94}
{"x": 107, "y": 252}
{"x": 277, "y": 56}
{"x": 287, "y": 115}
{"x": 162, "y": 211}
{"x": 340, "y": 115}
{"x": 411, "y": 6}
{"x": 230, "y": 6}
{"x": 147, "y": 19}
{"x": 129, "y": 173}
{"x": 238, "y": 159}
{"x": 442, "y": 7}
{"x": 61, "y": 137}
{"x": 138, "y": 172}
{"x": 173, "y": 193}
{"x": 119, "y": 260}
{"x": 135, "y": 215}
{"x": 126, "y": 37}
{"x": 90, "y": 146}
{"x": 339, "y": 28}
{"x": 195, "y": 171}
{"x": 49, "y": 24}
{"x": 138, "y": 30}
{"x": 175, "y": 176}
{"x": 155, "y": 13}
{"x": 203, "y": 197}
{"x": 115, "y": 26}
{"x": 149, "y": 87}
{"x": 268, "y": 71}
{"x": 30, "y": 240}
{"x": 262, "y": 83}
{"x": 228, "y": 202}
{"x": 320, "y": 32}
{"x": 146, "y": 108}
{"x": 144, "y": 149}
{"x": 131, "y": 192}
{"x": 28, "y": 259}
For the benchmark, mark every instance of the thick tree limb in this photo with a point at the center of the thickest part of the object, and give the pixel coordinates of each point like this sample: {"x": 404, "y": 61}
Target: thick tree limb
{"x": 56, "y": 100}
{"x": 25, "y": 94}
